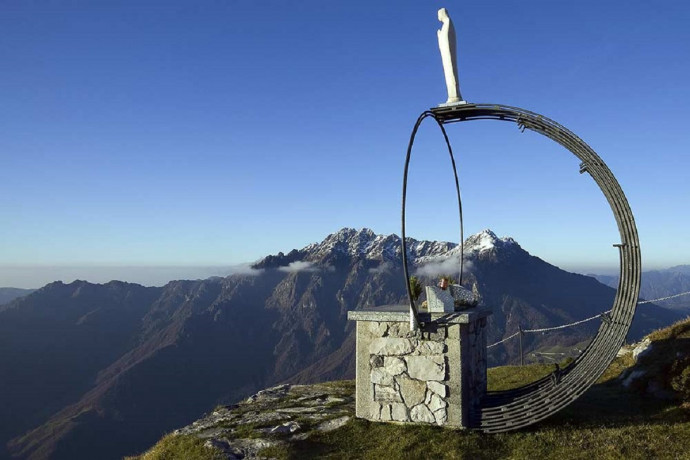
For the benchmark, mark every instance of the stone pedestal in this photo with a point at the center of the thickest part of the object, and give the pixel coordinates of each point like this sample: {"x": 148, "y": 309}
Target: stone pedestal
{"x": 436, "y": 375}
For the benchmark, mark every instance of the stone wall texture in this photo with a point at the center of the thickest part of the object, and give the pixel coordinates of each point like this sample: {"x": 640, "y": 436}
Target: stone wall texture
{"x": 422, "y": 376}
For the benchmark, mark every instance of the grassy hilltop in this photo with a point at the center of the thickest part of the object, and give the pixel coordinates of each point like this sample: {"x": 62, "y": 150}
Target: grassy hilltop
{"x": 610, "y": 421}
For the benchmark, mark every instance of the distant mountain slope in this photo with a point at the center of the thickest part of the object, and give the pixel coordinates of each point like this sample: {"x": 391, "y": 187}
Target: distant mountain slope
{"x": 98, "y": 365}
{"x": 661, "y": 283}
{"x": 54, "y": 342}
{"x": 7, "y": 294}
{"x": 684, "y": 269}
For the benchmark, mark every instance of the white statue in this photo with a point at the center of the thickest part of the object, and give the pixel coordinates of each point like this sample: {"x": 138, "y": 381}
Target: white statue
{"x": 446, "y": 43}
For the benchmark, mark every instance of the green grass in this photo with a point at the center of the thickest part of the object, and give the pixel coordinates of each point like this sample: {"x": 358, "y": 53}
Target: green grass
{"x": 180, "y": 447}
{"x": 248, "y": 431}
{"x": 366, "y": 440}
{"x": 607, "y": 422}
{"x": 617, "y": 366}
{"x": 678, "y": 330}
{"x": 507, "y": 377}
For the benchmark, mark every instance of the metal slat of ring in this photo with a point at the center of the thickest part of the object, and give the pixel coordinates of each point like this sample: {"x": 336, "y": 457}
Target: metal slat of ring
{"x": 512, "y": 409}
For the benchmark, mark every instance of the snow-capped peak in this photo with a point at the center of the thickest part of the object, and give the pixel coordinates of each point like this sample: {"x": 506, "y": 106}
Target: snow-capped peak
{"x": 360, "y": 244}
{"x": 486, "y": 240}
{"x": 365, "y": 243}
{"x": 482, "y": 241}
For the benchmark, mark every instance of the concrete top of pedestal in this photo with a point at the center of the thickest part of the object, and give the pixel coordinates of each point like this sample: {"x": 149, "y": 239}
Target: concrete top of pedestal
{"x": 401, "y": 313}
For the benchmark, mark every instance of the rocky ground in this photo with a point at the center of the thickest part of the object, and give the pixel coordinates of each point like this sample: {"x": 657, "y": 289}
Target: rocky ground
{"x": 273, "y": 418}
{"x": 659, "y": 365}
{"x": 639, "y": 409}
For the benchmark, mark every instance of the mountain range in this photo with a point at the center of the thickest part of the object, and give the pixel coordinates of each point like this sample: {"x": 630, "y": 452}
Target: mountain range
{"x": 102, "y": 370}
{"x": 8, "y": 294}
{"x": 661, "y": 283}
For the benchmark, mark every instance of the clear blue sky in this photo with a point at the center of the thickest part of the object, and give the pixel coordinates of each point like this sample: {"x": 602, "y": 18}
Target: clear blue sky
{"x": 213, "y": 133}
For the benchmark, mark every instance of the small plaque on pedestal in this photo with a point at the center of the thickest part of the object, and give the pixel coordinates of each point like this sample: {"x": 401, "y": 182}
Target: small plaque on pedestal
{"x": 439, "y": 300}
{"x": 456, "y": 297}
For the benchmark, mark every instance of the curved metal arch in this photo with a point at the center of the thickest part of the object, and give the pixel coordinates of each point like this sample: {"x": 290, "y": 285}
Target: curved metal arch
{"x": 414, "y": 320}
{"x": 513, "y": 409}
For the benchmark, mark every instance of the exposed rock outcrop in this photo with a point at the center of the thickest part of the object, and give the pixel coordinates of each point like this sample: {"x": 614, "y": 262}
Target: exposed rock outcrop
{"x": 661, "y": 366}
{"x": 274, "y": 417}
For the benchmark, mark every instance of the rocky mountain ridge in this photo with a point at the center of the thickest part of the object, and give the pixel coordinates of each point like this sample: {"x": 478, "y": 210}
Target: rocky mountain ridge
{"x": 352, "y": 244}
{"x": 365, "y": 244}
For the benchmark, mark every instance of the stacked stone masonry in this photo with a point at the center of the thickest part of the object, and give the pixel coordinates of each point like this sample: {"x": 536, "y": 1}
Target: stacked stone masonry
{"x": 407, "y": 376}
{"x": 417, "y": 377}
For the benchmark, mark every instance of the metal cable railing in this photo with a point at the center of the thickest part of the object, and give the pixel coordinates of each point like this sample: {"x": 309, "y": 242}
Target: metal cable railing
{"x": 563, "y": 326}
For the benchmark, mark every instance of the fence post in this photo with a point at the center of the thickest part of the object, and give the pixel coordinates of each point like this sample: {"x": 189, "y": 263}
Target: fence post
{"x": 522, "y": 356}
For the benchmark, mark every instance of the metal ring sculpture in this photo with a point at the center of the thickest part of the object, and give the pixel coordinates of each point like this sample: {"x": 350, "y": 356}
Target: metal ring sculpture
{"x": 513, "y": 409}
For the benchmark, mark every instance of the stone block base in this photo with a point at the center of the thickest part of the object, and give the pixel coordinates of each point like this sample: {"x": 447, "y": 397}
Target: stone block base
{"x": 436, "y": 375}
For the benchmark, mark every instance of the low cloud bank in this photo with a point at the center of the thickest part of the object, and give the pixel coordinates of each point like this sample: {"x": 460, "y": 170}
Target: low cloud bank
{"x": 36, "y": 276}
{"x": 299, "y": 266}
{"x": 443, "y": 266}
{"x": 304, "y": 266}
{"x": 385, "y": 267}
